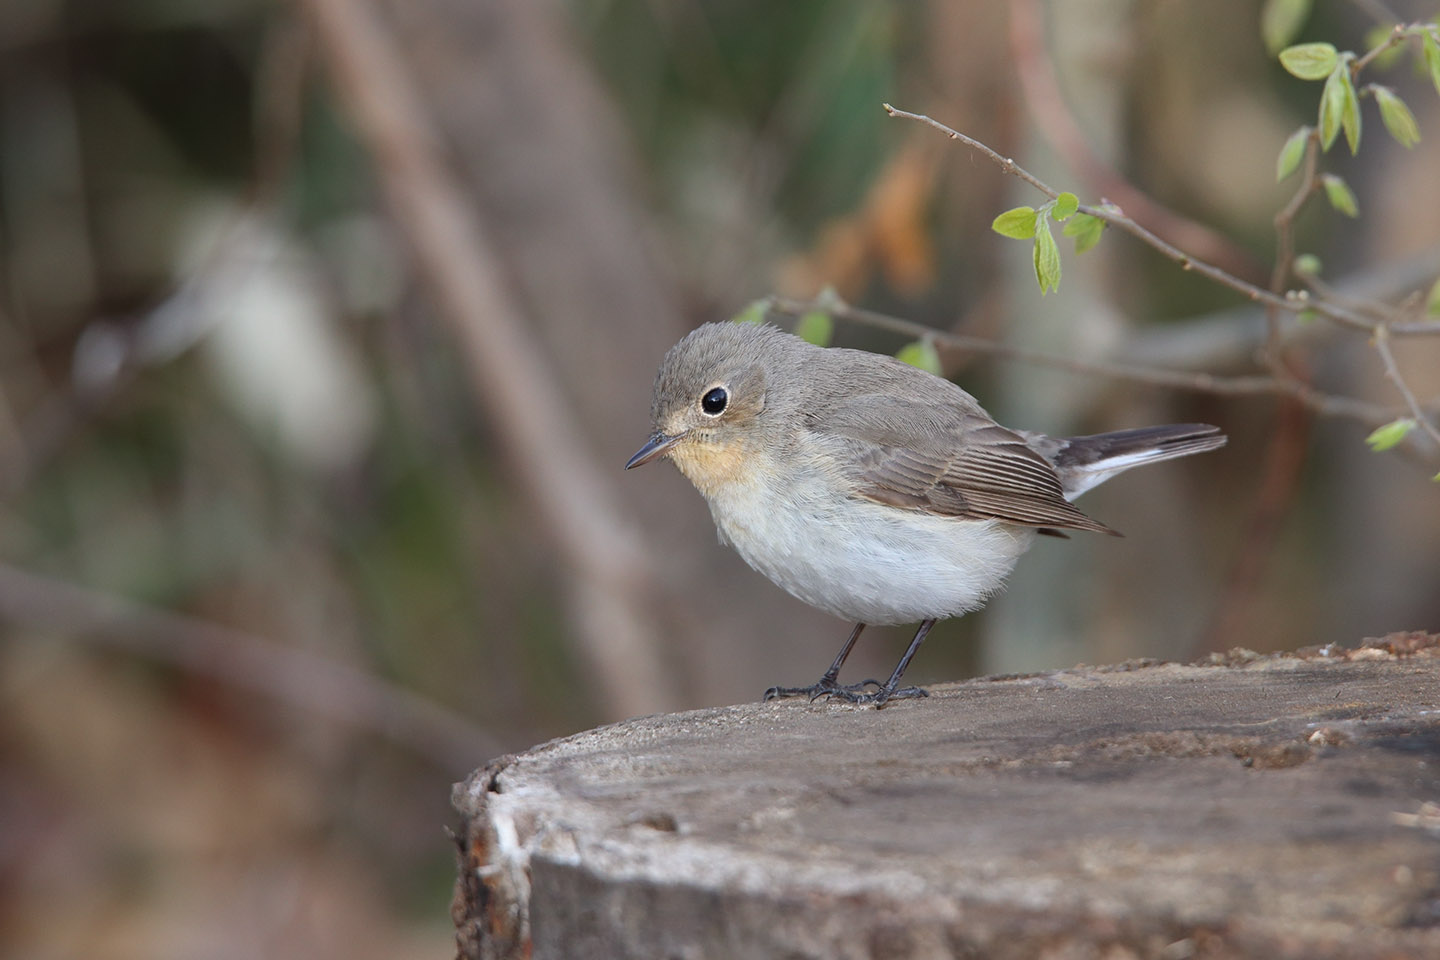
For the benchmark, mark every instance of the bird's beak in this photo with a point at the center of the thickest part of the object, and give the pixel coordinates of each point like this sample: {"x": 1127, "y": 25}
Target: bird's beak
{"x": 657, "y": 446}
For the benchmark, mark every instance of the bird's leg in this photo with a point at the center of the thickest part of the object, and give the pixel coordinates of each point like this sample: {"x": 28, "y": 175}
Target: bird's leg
{"x": 888, "y": 691}
{"x": 828, "y": 684}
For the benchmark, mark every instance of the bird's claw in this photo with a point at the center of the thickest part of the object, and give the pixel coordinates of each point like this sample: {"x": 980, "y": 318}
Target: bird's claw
{"x": 824, "y": 687}
{"x": 879, "y": 697}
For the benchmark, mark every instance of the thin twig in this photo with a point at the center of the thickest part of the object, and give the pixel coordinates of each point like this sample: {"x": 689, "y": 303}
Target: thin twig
{"x": 1285, "y": 248}
{"x": 1330, "y": 405}
{"x": 1397, "y": 36}
{"x": 1392, "y": 370}
{"x": 1118, "y": 219}
{"x": 1381, "y": 312}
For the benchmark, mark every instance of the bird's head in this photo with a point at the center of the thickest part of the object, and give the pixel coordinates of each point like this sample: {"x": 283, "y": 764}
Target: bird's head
{"x": 713, "y": 407}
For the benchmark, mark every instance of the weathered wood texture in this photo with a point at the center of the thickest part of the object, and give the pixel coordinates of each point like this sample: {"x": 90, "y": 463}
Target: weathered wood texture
{"x": 1256, "y": 807}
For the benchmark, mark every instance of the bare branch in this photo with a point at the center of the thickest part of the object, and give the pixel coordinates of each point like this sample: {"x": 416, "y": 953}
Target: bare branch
{"x": 1397, "y": 36}
{"x": 300, "y": 679}
{"x": 511, "y": 378}
{"x": 1392, "y": 370}
{"x": 1326, "y": 404}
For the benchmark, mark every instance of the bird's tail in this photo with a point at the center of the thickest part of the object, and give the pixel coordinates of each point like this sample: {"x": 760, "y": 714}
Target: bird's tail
{"x": 1083, "y": 462}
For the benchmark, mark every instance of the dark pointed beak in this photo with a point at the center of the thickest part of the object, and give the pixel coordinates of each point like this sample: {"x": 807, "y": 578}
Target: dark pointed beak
{"x": 656, "y": 446}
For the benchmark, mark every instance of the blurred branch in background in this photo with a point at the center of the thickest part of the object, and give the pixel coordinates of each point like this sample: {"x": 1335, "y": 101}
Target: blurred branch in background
{"x": 611, "y": 579}
{"x": 1256, "y": 385}
{"x": 45, "y": 607}
{"x": 1052, "y": 118}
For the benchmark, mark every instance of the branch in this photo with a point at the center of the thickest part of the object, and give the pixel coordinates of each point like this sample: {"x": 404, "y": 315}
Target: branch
{"x": 1330, "y": 405}
{"x": 1296, "y": 304}
{"x": 513, "y": 381}
{"x": 1285, "y": 247}
{"x": 240, "y": 659}
{"x": 1281, "y": 381}
{"x": 1392, "y": 370}
{"x": 1397, "y": 36}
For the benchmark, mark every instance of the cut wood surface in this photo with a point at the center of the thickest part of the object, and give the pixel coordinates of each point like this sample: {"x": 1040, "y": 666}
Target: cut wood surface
{"x": 1280, "y": 806}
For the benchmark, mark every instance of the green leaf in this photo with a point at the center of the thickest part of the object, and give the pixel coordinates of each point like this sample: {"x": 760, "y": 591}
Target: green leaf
{"x": 1047, "y": 257}
{"x": 1065, "y": 206}
{"x": 1383, "y": 438}
{"x": 1307, "y": 265}
{"x": 1280, "y": 22}
{"x": 1310, "y": 61}
{"x": 1350, "y": 113}
{"x": 1340, "y": 195}
{"x": 922, "y": 354}
{"x": 1432, "y": 302}
{"x": 1017, "y": 223}
{"x": 1291, "y": 154}
{"x": 1332, "y": 107}
{"x": 1307, "y": 316}
{"x": 815, "y": 327}
{"x": 1397, "y": 117}
{"x": 1431, "y": 50}
{"x": 754, "y": 312}
{"x": 1085, "y": 229}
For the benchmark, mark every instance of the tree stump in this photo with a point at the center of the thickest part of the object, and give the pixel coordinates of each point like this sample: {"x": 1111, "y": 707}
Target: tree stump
{"x": 1278, "y": 806}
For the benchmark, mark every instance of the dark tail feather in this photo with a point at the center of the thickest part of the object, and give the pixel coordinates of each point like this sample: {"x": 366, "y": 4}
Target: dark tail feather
{"x": 1083, "y": 462}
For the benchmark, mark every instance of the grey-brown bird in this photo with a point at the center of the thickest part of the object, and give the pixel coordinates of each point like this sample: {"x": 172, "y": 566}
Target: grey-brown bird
{"x": 869, "y": 488}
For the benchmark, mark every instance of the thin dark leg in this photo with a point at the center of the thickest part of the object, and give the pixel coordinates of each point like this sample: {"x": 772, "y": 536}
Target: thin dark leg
{"x": 889, "y": 691}
{"x": 829, "y": 683}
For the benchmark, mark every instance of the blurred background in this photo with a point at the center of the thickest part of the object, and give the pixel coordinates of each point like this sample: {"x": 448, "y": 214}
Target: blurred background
{"x": 326, "y": 327}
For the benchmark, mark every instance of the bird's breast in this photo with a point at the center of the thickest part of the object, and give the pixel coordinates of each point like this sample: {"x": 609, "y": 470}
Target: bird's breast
{"x": 858, "y": 559}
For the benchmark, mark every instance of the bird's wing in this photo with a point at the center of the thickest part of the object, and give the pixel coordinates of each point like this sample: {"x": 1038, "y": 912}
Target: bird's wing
{"x": 948, "y": 459}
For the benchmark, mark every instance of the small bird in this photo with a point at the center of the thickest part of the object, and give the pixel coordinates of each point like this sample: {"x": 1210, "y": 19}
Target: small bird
{"x": 867, "y": 487}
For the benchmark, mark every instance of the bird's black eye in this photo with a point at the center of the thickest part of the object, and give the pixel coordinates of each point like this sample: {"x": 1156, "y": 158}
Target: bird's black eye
{"x": 713, "y": 403}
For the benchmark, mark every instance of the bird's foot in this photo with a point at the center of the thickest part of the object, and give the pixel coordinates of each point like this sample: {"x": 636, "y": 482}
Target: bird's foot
{"x": 824, "y": 687}
{"x": 878, "y": 698}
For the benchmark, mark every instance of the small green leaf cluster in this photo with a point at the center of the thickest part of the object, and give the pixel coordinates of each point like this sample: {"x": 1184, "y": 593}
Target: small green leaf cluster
{"x": 1281, "y": 21}
{"x": 1030, "y": 223}
{"x": 1340, "y": 100}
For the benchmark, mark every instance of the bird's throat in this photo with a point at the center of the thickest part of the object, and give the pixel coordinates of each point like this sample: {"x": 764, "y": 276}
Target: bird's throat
{"x": 711, "y": 466}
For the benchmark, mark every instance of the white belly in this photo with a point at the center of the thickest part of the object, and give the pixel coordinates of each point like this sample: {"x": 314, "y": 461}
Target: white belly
{"x": 868, "y": 562}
